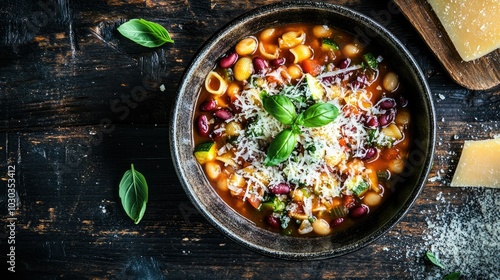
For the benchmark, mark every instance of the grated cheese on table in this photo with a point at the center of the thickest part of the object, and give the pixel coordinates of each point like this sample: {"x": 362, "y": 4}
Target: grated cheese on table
{"x": 464, "y": 236}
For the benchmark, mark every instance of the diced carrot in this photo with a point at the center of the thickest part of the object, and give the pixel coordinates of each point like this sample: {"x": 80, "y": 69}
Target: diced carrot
{"x": 254, "y": 201}
{"x": 390, "y": 153}
{"x": 348, "y": 201}
{"x": 311, "y": 66}
{"x": 343, "y": 142}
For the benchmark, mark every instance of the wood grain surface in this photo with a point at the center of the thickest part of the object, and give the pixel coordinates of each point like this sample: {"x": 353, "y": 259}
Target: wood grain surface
{"x": 79, "y": 104}
{"x": 480, "y": 74}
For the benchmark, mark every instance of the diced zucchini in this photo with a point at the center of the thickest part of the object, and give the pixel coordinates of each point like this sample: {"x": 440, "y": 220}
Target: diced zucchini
{"x": 357, "y": 185}
{"x": 371, "y": 60}
{"x": 205, "y": 152}
{"x": 273, "y": 204}
{"x": 327, "y": 44}
{"x": 360, "y": 188}
{"x": 315, "y": 87}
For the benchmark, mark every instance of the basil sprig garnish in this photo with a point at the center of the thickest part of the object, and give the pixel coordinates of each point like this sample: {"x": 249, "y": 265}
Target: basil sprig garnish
{"x": 281, "y": 147}
{"x": 319, "y": 114}
{"x": 134, "y": 194}
{"x": 145, "y": 33}
{"x": 282, "y": 108}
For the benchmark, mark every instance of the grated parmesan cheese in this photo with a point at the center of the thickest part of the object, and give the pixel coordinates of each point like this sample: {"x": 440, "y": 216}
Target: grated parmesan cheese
{"x": 323, "y": 154}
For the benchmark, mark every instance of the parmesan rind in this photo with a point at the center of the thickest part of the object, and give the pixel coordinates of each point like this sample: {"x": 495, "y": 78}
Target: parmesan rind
{"x": 473, "y": 25}
{"x": 479, "y": 165}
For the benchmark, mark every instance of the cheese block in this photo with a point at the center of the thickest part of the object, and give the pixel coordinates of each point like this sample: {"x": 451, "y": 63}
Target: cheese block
{"x": 472, "y": 25}
{"x": 479, "y": 165}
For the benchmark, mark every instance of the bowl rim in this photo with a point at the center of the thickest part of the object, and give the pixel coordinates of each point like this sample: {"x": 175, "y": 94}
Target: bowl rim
{"x": 175, "y": 144}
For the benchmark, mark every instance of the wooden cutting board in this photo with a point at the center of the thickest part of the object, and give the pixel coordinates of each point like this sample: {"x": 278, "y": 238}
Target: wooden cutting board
{"x": 480, "y": 74}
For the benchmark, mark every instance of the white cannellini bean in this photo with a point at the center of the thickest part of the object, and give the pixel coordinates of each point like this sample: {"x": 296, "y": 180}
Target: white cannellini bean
{"x": 321, "y": 227}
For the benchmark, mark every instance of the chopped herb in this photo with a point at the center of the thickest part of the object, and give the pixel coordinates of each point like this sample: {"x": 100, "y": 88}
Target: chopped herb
{"x": 311, "y": 148}
{"x": 371, "y": 60}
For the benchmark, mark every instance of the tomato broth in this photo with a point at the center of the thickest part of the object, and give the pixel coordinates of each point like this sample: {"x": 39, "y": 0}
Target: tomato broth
{"x": 300, "y": 127}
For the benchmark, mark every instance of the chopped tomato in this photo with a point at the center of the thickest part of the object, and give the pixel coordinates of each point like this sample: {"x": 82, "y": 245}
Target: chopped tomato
{"x": 311, "y": 66}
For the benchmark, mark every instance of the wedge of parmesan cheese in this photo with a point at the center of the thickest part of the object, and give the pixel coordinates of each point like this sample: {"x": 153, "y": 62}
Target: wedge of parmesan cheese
{"x": 479, "y": 165}
{"x": 472, "y": 25}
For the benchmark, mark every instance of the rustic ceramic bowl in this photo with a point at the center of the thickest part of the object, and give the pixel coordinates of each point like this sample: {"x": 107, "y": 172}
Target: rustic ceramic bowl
{"x": 243, "y": 231}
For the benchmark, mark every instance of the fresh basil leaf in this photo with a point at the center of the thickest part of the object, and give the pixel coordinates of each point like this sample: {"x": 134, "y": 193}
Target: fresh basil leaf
{"x": 434, "y": 260}
{"x": 281, "y": 147}
{"x": 145, "y": 33}
{"x": 319, "y": 114}
{"x": 280, "y": 107}
{"x": 296, "y": 129}
{"x": 263, "y": 95}
{"x": 452, "y": 276}
{"x": 133, "y": 192}
{"x": 299, "y": 120}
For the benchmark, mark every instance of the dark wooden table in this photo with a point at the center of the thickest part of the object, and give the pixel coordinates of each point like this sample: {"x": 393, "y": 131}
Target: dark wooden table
{"x": 70, "y": 126}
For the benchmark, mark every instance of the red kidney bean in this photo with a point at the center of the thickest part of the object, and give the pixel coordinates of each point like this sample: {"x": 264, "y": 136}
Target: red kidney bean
{"x": 203, "y": 126}
{"x": 328, "y": 80}
{"x": 273, "y": 221}
{"x": 344, "y": 63}
{"x": 370, "y": 153}
{"x": 228, "y": 60}
{"x": 387, "y": 103}
{"x": 208, "y": 105}
{"x": 216, "y": 133}
{"x": 360, "y": 82}
{"x": 281, "y": 188}
{"x": 223, "y": 114}
{"x": 278, "y": 62}
{"x": 385, "y": 119}
{"x": 260, "y": 65}
{"x": 336, "y": 222}
{"x": 358, "y": 211}
{"x": 371, "y": 122}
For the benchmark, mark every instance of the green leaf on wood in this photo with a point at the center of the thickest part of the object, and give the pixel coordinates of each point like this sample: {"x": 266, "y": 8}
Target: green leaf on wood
{"x": 434, "y": 259}
{"x": 134, "y": 194}
{"x": 145, "y": 33}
